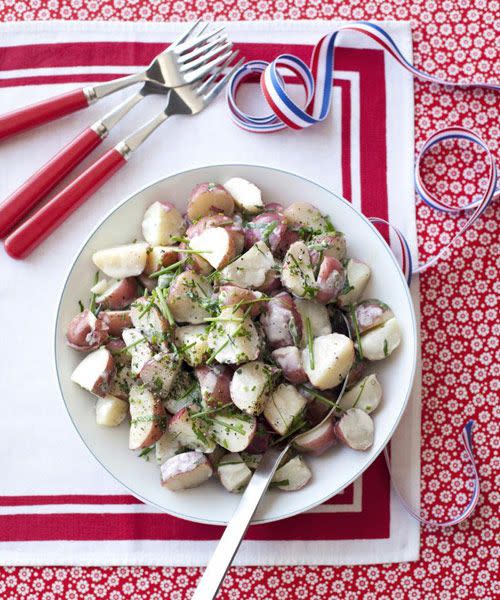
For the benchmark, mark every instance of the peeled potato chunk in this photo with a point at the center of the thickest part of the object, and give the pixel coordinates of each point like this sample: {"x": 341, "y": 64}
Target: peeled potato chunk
{"x": 192, "y": 341}
{"x": 357, "y": 277}
{"x": 234, "y": 338}
{"x": 161, "y": 223}
{"x": 366, "y": 394}
{"x": 233, "y": 472}
{"x": 284, "y": 405}
{"x": 251, "y": 268}
{"x": 110, "y": 411}
{"x": 333, "y": 356}
{"x": 318, "y": 318}
{"x": 122, "y": 261}
{"x": 247, "y": 195}
{"x": 297, "y": 274}
{"x": 379, "y": 343}
{"x": 250, "y": 386}
{"x": 187, "y": 296}
{"x": 303, "y": 214}
{"x": 233, "y": 430}
{"x": 148, "y": 319}
{"x": 293, "y": 475}
{"x": 217, "y": 245}
{"x": 186, "y": 470}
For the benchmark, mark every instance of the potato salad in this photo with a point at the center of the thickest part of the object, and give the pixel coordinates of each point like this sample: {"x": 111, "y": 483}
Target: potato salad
{"x": 231, "y": 328}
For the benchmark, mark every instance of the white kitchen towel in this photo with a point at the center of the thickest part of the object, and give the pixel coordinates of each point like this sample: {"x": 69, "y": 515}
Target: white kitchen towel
{"x": 42, "y": 456}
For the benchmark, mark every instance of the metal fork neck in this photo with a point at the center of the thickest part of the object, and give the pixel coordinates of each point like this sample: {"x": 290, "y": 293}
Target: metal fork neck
{"x": 133, "y": 141}
{"x": 95, "y": 92}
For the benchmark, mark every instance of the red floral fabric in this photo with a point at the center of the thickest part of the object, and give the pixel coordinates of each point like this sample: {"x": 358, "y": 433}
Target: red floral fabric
{"x": 460, "y": 324}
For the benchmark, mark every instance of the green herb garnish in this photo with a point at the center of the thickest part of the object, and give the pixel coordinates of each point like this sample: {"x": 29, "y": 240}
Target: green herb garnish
{"x": 354, "y": 320}
{"x": 310, "y": 342}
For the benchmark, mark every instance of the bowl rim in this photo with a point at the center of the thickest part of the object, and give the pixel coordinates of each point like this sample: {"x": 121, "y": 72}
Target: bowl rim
{"x": 358, "y": 215}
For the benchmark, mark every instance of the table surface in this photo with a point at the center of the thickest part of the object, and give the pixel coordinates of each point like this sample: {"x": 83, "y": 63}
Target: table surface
{"x": 454, "y": 40}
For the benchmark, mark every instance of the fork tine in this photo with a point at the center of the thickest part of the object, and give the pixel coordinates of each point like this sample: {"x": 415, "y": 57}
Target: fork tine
{"x": 216, "y": 73}
{"x": 207, "y": 56}
{"x": 183, "y": 36}
{"x": 202, "y": 49}
{"x": 196, "y": 41}
{"x": 208, "y": 97}
{"x": 194, "y": 75}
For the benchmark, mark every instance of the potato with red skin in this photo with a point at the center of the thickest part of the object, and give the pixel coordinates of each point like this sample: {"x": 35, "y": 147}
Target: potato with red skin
{"x": 186, "y": 295}
{"x": 369, "y": 314}
{"x": 186, "y": 470}
{"x": 116, "y": 321}
{"x": 232, "y": 224}
{"x": 274, "y": 207}
{"x": 215, "y": 384}
{"x": 317, "y": 440}
{"x": 147, "y": 282}
{"x": 281, "y": 321}
{"x": 116, "y": 347}
{"x": 194, "y": 262}
{"x": 231, "y": 295}
{"x": 160, "y": 257}
{"x": 119, "y": 295}
{"x": 330, "y": 280}
{"x": 289, "y": 360}
{"x": 272, "y": 283}
{"x": 355, "y": 429}
{"x": 162, "y": 222}
{"x": 95, "y": 371}
{"x": 269, "y": 227}
{"x": 207, "y": 198}
{"x": 261, "y": 440}
{"x": 86, "y": 333}
{"x": 216, "y": 245}
{"x": 328, "y": 244}
{"x": 148, "y": 418}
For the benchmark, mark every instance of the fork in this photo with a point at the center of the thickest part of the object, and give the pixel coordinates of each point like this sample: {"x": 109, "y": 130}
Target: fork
{"x": 233, "y": 535}
{"x": 181, "y": 63}
{"x": 187, "y": 100}
{"x": 205, "y": 51}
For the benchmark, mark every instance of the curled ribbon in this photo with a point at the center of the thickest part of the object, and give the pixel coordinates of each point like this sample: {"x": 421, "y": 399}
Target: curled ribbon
{"x": 317, "y": 80}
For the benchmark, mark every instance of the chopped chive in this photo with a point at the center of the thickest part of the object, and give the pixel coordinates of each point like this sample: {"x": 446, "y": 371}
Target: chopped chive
{"x": 211, "y": 358}
{"x": 356, "y": 330}
{"x": 310, "y": 342}
{"x": 147, "y": 307}
{"x": 191, "y": 251}
{"x": 168, "y": 269}
{"x": 164, "y": 307}
{"x": 80, "y": 305}
{"x": 315, "y": 394}
{"x": 136, "y": 343}
{"x": 208, "y": 412}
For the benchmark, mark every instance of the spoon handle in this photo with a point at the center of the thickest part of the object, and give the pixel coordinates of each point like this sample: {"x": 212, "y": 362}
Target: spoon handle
{"x": 233, "y": 535}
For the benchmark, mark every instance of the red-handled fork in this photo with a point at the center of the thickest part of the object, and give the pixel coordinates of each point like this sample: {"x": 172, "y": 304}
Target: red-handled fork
{"x": 188, "y": 100}
{"x": 169, "y": 69}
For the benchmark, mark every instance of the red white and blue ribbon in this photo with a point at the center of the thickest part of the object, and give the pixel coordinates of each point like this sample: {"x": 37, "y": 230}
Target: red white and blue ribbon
{"x": 317, "y": 80}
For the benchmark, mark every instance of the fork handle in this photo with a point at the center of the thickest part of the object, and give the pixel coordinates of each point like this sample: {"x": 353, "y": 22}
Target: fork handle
{"x": 18, "y": 204}
{"x": 42, "y": 112}
{"x": 232, "y": 537}
{"x": 41, "y": 224}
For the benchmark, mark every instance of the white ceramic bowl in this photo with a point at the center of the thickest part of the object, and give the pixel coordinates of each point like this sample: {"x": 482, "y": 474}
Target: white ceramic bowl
{"x": 332, "y": 471}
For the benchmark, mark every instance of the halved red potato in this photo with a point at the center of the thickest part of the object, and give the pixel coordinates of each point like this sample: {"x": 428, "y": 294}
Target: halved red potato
{"x": 250, "y": 386}
{"x": 185, "y": 470}
{"x": 333, "y": 356}
{"x": 318, "y": 439}
{"x": 124, "y": 261}
{"x": 233, "y": 472}
{"x": 328, "y": 244}
{"x": 207, "y": 198}
{"x": 284, "y": 405}
{"x": 316, "y": 410}
{"x": 234, "y": 338}
{"x": 166, "y": 447}
{"x": 357, "y": 372}
{"x": 192, "y": 342}
{"x": 355, "y": 429}
{"x": 267, "y": 227}
{"x": 250, "y": 269}
{"x": 289, "y": 360}
{"x": 232, "y": 429}
{"x": 281, "y": 321}
{"x": 138, "y": 348}
{"x": 231, "y": 295}
{"x": 297, "y": 274}
{"x": 159, "y": 373}
{"x": 379, "y": 343}
{"x": 303, "y": 214}
{"x": 115, "y": 346}
{"x": 317, "y": 314}
{"x": 191, "y": 433}
{"x": 369, "y": 314}
{"x": 148, "y": 419}
{"x": 215, "y": 384}
{"x": 330, "y": 280}
{"x": 116, "y": 321}
{"x": 148, "y": 319}
{"x": 110, "y": 411}
{"x": 247, "y": 196}
{"x": 194, "y": 262}
{"x": 293, "y": 475}
{"x": 94, "y": 372}
{"x": 160, "y": 257}
{"x": 272, "y": 282}
{"x": 217, "y": 245}
{"x": 366, "y": 395}
{"x": 232, "y": 224}
{"x": 187, "y": 296}
{"x": 261, "y": 440}
{"x": 86, "y": 333}
{"x": 274, "y": 207}
{"x": 161, "y": 223}
{"x": 289, "y": 237}
{"x": 119, "y": 294}
{"x": 357, "y": 277}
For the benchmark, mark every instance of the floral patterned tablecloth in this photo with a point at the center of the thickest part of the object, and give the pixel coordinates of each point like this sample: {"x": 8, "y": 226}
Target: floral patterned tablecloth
{"x": 460, "y": 325}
